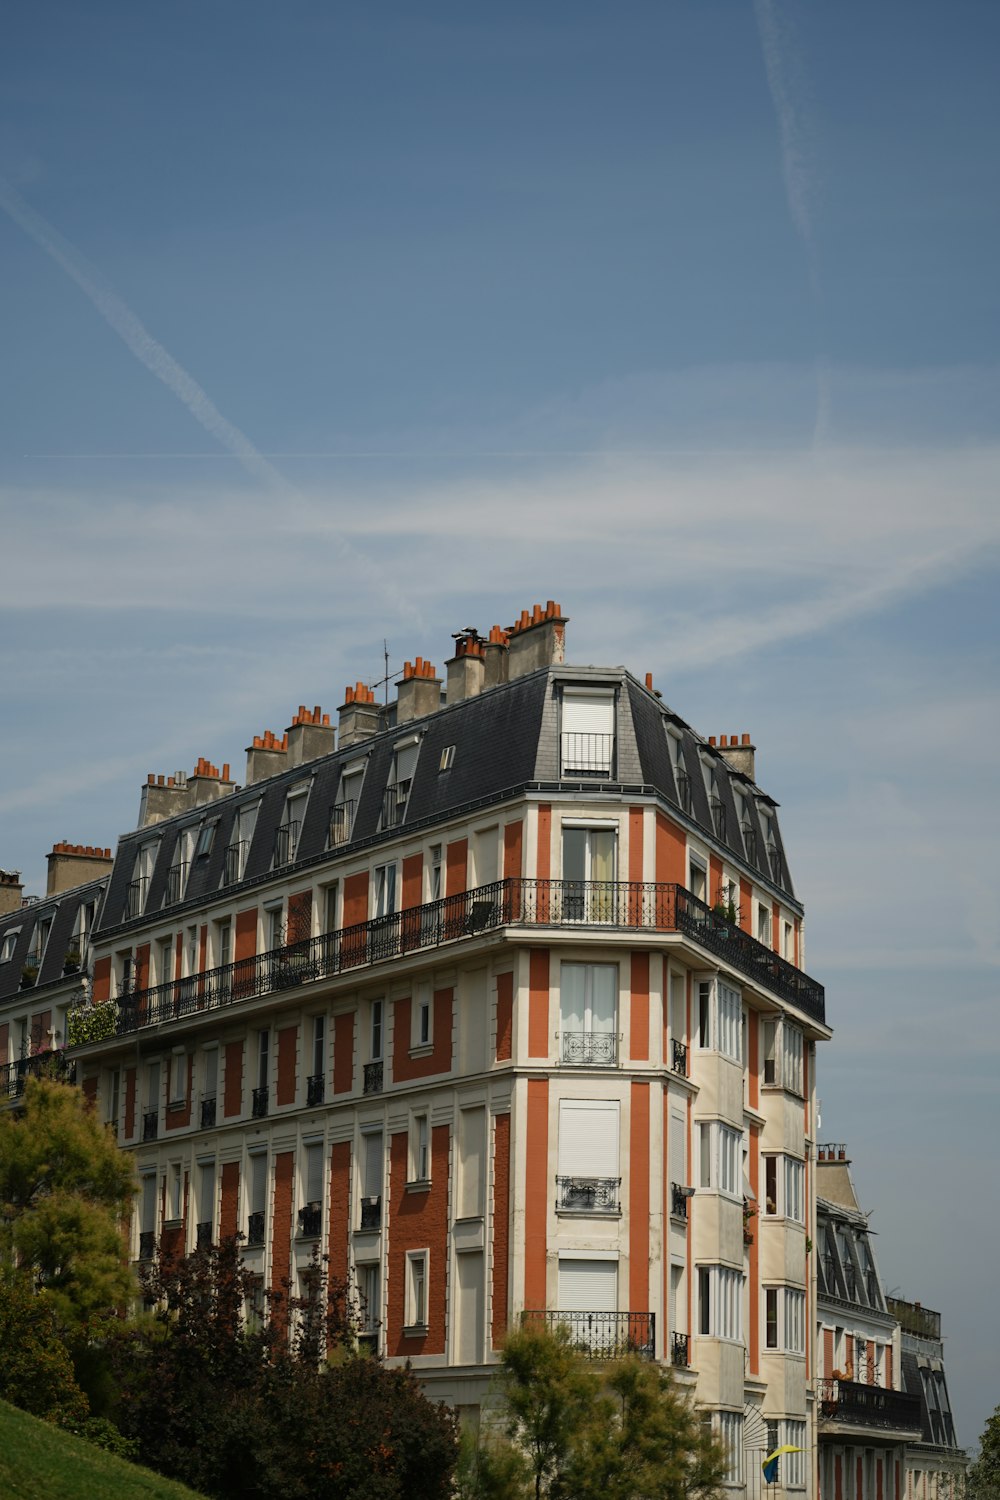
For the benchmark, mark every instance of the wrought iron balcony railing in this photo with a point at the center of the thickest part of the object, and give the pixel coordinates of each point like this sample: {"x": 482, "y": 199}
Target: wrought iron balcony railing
{"x": 678, "y": 1200}
{"x": 592, "y": 754}
{"x": 861, "y": 1405}
{"x": 684, "y": 797}
{"x": 147, "y": 1244}
{"x": 679, "y": 1347}
{"x": 341, "y": 823}
{"x": 150, "y": 1124}
{"x": 394, "y": 800}
{"x": 921, "y": 1321}
{"x": 605, "y": 1335}
{"x": 203, "y": 1235}
{"x": 623, "y": 905}
{"x": 255, "y": 1228}
{"x": 208, "y": 1113}
{"x": 176, "y": 882}
{"x": 259, "y": 1104}
{"x": 679, "y": 1058}
{"x": 717, "y": 808}
{"x": 310, "y": 1222}
{"x": 373, "y": 1077}
{"x": 749, "y": 840}
{"x": 135, "y": 897}
{"x": 371, "y": 1213}
{"x": 315, "y": 1088}
{"x": 236, "y": 859}
{"x": 49, "y": 1064}
{"x": 286, "y": 842}
{"x": 592, "y": 1049}
{"x": 588, "y": 1195}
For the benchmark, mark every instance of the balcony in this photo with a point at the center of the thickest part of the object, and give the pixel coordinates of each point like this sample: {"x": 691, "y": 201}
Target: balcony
{"x": 625, "y": 906}
{"x": 150, "y": 1124}
{"x": 147, "y": 1244}
{"x": 914, "y": 1318}
{"x": 589, "y": 1049}
{"x": 310, "y": 1222}
{"x": 255, "y": 1229}
{"x": 589, "y": 754}
{"x": 176, "y": 883}
{"x": 604, "y": 1335}
{"x": 203, "y": 1235}
{"x": 286, "y": 842}
{"x": 208, "y": 1113}
{"x": 371, "y": 1213}
{"x": 588, "y": 1195}
{"x": 47, "y": 1064}
{"x": 315, "y": 1089}
{"x": 258, "y": 1108}
{"x": 679, "y": 1350}
{"x": 679, "y": 1058}
{"x": 679, "y": 1200}
{"x": 870, "y": 1406}
{"x": 373, "y": 1077}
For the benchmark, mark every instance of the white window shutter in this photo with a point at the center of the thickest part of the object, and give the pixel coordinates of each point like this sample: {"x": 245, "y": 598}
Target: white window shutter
{"x": 588, "y": 1138}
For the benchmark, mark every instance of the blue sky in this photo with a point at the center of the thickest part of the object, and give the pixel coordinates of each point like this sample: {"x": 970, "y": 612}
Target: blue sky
{"x": 329, "y": 323}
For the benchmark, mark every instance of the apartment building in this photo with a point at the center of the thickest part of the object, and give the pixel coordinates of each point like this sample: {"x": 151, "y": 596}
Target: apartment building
{"x": 496, "y": 994}
{"x": 935, "y": 1465}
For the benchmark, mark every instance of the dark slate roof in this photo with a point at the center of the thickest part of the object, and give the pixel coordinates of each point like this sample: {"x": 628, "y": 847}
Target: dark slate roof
{"x": 64, "y": 910}
{"x": 505, "y": 739}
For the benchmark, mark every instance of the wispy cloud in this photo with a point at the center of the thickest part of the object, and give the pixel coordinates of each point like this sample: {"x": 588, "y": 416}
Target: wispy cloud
{"x": 784, "y": 82}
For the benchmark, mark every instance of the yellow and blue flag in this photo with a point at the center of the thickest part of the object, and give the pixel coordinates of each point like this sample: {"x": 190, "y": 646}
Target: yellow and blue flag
{"x": 770, "y": 1463}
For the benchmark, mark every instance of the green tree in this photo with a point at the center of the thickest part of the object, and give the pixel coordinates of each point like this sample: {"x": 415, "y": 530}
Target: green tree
{"x": 569, "y": 1427}
{"x": 64, "y": 1191}
{"x": 983, "y": 1479}
{"x": 36, "y": 1371}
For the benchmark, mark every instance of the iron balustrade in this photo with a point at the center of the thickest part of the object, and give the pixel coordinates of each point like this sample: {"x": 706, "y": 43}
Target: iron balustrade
{"x": 310, "y": 1222}
{"x": 679, "y": 1347}
{"x": 373, "y": 1077}
{"x": 371, "y": 1213}
{"x": 176, "y": 882}
{"x": 679, "y": 1058}
{"x": 394, "y": 800}
{"x": 604, "y": 1335}
{"x": 147, "y": 1244}
{"x": 678, "y": 1201}
{"x": 914, "y": 1318}
{"x": 203, "y": 1235}
{"x": 592, "y": 1049}
{"x": 286, "y": 842}
{"x": 150, "y": 1124}
{"x": 868, "y": 1405}
{"x": 684, "y": 798}
{"x": 315, "y": 1088}
{"x": 341, "y": 823}
{"x": 626, "y": 905}
{"x": 749, "y": 840}
{"x": 259, "y": 1103}
{"x": 135, "y": 897}
{"x": 208, "y": 1113}
{"x": 592, "y": 754}
{"x": 52, "y": 1063}
{"x": 774, "y": 861}
{"x": 236, "y": 858}
{"x": 588, "y": 1195}
{"x": 717, "y": 808}
{"x": 255, "y": 1229}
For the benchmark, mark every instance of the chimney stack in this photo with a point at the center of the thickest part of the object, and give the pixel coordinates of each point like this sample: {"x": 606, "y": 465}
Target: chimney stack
{"x": 537, "y": 640}
{"x": 466, "y": 669}
{"x": 359, "y": 716}
{"x": 11, "y": 891}
{"x": 496, "y": 650}
{"x": 739, "y": 754}
{"x": 309, "y": 736}
{"x": 207, "y": 783}
{"x": 74, "y": 864}
{"x": 266, "y": 756}
{"x": 419, "y": 693}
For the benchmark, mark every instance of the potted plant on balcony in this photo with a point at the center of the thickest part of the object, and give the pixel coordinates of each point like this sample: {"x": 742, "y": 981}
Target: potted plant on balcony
{"x": 725, "y": 914}
{"x": 71, "y": 963}
{"x": 29, "y": 974}
{"x": 749, "y": 1213}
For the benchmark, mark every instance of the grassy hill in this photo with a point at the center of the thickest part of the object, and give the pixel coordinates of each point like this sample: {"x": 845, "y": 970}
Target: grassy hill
{"x": 38, "y": 1462}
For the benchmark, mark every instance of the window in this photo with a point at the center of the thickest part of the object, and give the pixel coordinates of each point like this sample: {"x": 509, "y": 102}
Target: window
{"x": 785, "y": 1319}
{"x": 8, "y": 945}
{"x": 588, "y": 732}
{"x": 376, "y": 1030}
{"x": 174, "y": 1189}
{"x": 311, "y": 1215}
{"x": 720, "y": 1019}
{"x": 416, "y": 1288}
{"x": 319, "y": 1046}
{"x": 769, "y": 1033}
{"x": 720, "y": 1158}
{"x": 206, "y": 838}
{"x": 731, "y": 1438}
{"x": 191, "y": 966}
{"x": 371, "y": 1178}
{"x": 716, "y": 806}
{"x": 794, "y": 1189}
{"x": 447, "y": 758}
{"x": 84, "y": 927}
{"x": 331, "y": 907}
{"x": 784, "y": 1187}
{"x": 385, "y": 890}
{"x": 223, "y": 943}
{"x": 239, "y": 848}
{"x": 113, "y": 1094}
{"x": 697, "y": 878}
{"x": 422, "y": 1016}
{"x": 788, "y": 942}
{"x": 588, "y": 868}
{"x": 794, "y": 1434}
{"x": 344, "y": 812}
{"x": 770, "y": 1184}
{"x": 420, "y": 1165}
{"x": 682, "y": 781}
{"x": 257, "y": 1198}
{"x": 397, "y": 793}
{"x": 147, "y": 1213}
{"x": 791, "y": 1058}
{"x": 274, "y": 927}
{"x": 370, "y": 1281}
{"x": 471, "y": 1162}
{"x": 437, "y": 890}
{"x": 589, "y": 1167}
{"x": 206, "y": 1197}
{"x": 178, "y": 1076}
{"x": 588, "y": 998}
{"x": 763, "y": 924}
{"x": 286, "y": 843}
{"x": 720, "y": 1302}
{"x": 165, "y": 960}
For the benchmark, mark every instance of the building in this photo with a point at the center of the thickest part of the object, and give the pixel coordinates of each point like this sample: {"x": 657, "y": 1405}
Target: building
{"x": 935, "y": 1466}
{"x": 497, "y": 995}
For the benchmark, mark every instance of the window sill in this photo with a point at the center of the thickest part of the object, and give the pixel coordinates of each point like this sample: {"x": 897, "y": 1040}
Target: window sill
{"x": 172, "y": 1223}
{"x": 414, "y": 1330}
{"x": 173, "y": 1104}
{"x": 422, "y": 1049}
{"x": 419, "y": 1185}
{"x": 588, "y": 1213}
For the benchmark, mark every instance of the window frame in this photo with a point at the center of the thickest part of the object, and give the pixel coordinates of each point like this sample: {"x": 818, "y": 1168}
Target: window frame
{"x": 417, "y": 1284}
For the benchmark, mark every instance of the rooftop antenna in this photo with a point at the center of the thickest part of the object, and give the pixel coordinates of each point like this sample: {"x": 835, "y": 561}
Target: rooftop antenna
{"x": 385, "y": 653}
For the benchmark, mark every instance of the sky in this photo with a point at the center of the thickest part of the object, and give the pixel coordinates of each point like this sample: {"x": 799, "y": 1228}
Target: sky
{"x": 325, "y": 325}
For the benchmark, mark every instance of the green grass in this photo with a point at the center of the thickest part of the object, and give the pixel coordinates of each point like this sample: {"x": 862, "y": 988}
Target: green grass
{"x": 39, "y": 1462}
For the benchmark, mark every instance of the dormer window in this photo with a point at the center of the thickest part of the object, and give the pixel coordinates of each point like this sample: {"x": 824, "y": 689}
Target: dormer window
{"x": 286, "y": 844}
{"x": 8, "y": 945}
{"x": 397, "y": 793}
{"x": 344, "y": 811}
{"x": 588, "y": 732}
{"x": 716, "y": 805}
{"x": 682, "y": 781}
{"x": 206, "y": 838}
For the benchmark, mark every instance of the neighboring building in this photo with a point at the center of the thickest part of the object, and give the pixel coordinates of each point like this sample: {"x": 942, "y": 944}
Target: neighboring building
{"x": 45, "y": 959}
{"x": 885, "y": 1427}
{"x": 500, "y": 1001}
{"x": 935, "y": 1466}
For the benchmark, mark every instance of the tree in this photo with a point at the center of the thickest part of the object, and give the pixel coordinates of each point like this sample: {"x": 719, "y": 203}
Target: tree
{"x": 36, "y": 1371}
{"x": 983, "y": 1479}
{"x": 569, "y": 1427}
{"x": 64, "y": 1191}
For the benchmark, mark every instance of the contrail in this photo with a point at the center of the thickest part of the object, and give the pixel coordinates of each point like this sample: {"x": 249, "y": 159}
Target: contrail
{"x": 795, "y": 163}
{"x": 138, "y": 339}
